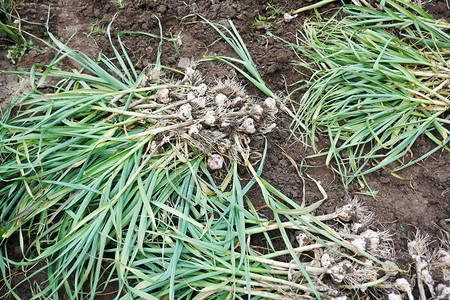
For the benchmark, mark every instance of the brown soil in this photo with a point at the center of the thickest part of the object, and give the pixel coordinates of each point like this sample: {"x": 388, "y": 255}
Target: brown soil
{"x": 419, "y": 201}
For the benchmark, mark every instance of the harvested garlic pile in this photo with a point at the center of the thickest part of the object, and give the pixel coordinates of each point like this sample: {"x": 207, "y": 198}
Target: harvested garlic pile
{"x": 211, "y": 118}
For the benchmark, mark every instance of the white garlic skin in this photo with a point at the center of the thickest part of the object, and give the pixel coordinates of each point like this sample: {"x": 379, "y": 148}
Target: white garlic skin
{"x": 189, "y": 72}
{"x": 357, "y": 227}
{"x": 256, "y": 112}
{"x": 194, "y": 129}
{"x": 393, "y": 296}
{"x": 225, "y": 124}
{"x": 221, "y": 100}
{"x": 190, "y": 96}
{"x": 271, "y": 106}
{"x": 209, "y": 118}
{"x": 238, "y": 102}
{"x": 215, "y": 162}
{"x": 287, "y": 17}
{"x": 360, "y": 243}
{"x": 185, "y": 112}
{"x": 326, "y": 261}
{"x": 403, "y": 285}
{"x": 269, "y": 128}
{"x": 201, "y": 89}
{"x": 223, "y": 145}
{"x": 163, "y": 95}
{"x": 302, "y": 239}
{"x": 372, "y": 237}
{"x": 199, "y": 102}
{"x": 248, "y": 126}
{"x": 444, "y": 258}
{"x": 337, "y": 272}
{"x": 442, "y": 291}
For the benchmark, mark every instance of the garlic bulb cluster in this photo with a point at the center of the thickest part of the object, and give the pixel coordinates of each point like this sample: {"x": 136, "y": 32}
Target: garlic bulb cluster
{"x": 221, "y": 114}
{"x": 215, "y": 119}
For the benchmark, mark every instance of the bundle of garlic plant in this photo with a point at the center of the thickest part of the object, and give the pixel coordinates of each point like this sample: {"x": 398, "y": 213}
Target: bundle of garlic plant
{"x": 108, "y": 182}
{"x": 381, "y": 80}
{"x": 431, "y": 266}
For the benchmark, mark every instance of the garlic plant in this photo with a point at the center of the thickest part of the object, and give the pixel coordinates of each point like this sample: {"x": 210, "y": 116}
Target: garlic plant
{"x": 432, "y": 267}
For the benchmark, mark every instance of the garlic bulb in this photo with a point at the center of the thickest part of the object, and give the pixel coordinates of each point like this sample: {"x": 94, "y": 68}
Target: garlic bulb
{"x": 185, "y": 112}
{"x": 238, "y": 102}
{"x": 163, "y": 95}
{"x": 190, "y": 96}
{"x": 221, "y": 100}
{"x": 225, "y": 124}
{"x": 223, "y": 145}
{"x": 215, "y": 162}
{"x": 189, "y": 72}
{"x": 271, "y": 106}
{"x": 403, "y": 285}
{"x": 248, "y": 126}
{"x": 357, "y": 227}
{"x": 209, "y": 118}
{"x": 199, "y": 102}
{"x": 394, "y": 296}
{"x": 442, "y": 291}
{"x": 194, "y": 129}
{"x": 302, "y": 239}
{"x": 256, "y": 112}
{"x": 347, "y": 212}
{"x": 326, "y": 261}
{"x": 201, "y": 89}
{"x": 359, "y": 243}
{"x": 268, "y": 128}
{"x": 337, "y": 273}
{"x": 372, "y": 238}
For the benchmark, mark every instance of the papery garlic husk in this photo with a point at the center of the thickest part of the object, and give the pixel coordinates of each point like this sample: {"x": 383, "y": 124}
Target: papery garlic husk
{"x": 215, "y": 162}
{"x": 221, "y": 100}
{"x": 394, "y": 296}
{"x": 326, "y": 261}
{"x": 427, "y": 279}
{"x": 199, "y": 102}
{"x": 393, "y": 268}
{"x": 248, "y": 126}
{"x": 337, "y": 272}
{"x": 403, "y": 285}
{"x": 223, "y": 145}
{"x": 190, "y": 96}
{"x": 271, "y": 106}
{"x": 194, "y": 129}
{"x": 154, "y": 146}
{"x": 347, "y": 212}
{"x": 238, "y": 102}
{"x": 268, "y": 129}
{"x": 442, "y": 292}
{"x": 372, "y": 237}
{"x": 209, "y": 118}
{"x": 357, "y": 227}
{"x": 359, "y": 243}
{"x": 163, "y": 95}
{"x": 444, "y": 258}
{"x": 185, "y": 112}
{"x": 256, "y": 112}
{"x": 225, "y": 124}
{"x": 189, "y": 72}
{"x": 302, "y": 239}
{"x": 144, "y": 81}
{"x": 201, "y": 89}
